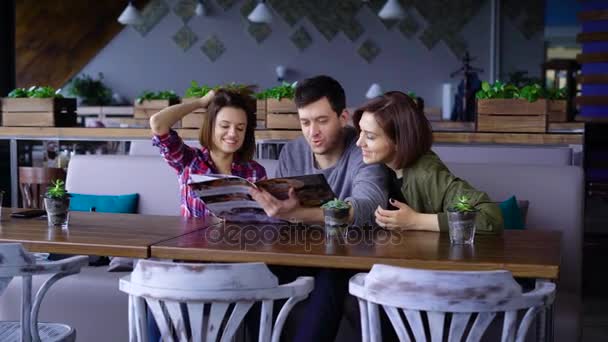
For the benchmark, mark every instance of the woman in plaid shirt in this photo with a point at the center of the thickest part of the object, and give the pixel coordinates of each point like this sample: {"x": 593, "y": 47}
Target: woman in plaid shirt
{"x": 227, "y": 137}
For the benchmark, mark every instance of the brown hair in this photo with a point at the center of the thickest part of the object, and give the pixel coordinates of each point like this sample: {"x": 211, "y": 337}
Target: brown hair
{"x": 403, "y": 122}
{"x": 228, "y": 98}
{"x": 315, "y": 88}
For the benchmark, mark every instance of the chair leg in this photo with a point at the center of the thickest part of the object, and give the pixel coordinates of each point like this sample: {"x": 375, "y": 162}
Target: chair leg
{"x": 26, "y": 308}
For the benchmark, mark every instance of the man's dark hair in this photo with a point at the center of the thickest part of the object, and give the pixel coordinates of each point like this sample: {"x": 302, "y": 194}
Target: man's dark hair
{"x": 315, "y": 88}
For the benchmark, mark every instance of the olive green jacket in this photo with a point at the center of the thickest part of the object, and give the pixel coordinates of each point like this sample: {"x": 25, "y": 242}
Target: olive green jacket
{"x": 429, "y": 187}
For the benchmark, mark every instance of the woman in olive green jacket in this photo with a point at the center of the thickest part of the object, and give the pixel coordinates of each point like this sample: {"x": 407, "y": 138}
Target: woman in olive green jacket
{"x": 393, "y": 131}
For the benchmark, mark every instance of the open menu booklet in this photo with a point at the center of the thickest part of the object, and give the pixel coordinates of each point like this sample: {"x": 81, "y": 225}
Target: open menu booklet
{"x": 228, "y": 196}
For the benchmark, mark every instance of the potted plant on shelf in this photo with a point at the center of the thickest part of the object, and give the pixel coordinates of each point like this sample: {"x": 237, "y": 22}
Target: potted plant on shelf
{"x": 335, "y": 213}
{"x": 557, "y": 105}
{"x": 38, "y": 106}
{"x": 196, "y": 91}
{"x": 90, "y": 91}
{"x": 506, "y": 108}
{"x": 281, "y": 111}
{"x": 57, "y": 204}
{"x": 149, "y": 103}
{"x": 461, "y": 221}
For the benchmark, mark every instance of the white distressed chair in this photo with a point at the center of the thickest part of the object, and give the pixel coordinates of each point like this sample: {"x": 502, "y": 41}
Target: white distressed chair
{"x": 211, "y": 299}
{"x": 463, "y": 302}
{"x": 17, "y": 262}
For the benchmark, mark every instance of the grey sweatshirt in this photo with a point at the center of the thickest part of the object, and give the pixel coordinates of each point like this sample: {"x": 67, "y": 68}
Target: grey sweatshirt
{"x": 364, "y": 186}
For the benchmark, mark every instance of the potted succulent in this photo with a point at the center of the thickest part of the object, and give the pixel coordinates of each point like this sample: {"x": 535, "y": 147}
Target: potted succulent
{"x": 57, "y": 203}
{"x": 461, "y": 221}
{"x": 335, "y": 213}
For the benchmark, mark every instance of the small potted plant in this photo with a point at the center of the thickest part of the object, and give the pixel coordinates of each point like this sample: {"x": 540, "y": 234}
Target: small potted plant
{"x": 90, "y": 91}
{"x": 461, "y": 221}
{"x": 57, "y": 203}
{"x": 335, "y": 213}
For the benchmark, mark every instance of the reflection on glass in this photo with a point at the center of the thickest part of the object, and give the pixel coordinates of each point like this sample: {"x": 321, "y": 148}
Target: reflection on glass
{"x": 549, "y": 78}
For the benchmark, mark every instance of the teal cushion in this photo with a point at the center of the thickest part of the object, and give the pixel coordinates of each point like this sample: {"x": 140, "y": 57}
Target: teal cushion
{"x": 511, "y": 214}
{"x": 125, "y": 204}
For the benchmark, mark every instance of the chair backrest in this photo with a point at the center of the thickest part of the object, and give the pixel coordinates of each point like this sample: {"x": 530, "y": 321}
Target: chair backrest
{"x": 16, "y": 261}
{"x": 33, "y": 182}
{"x": 145, "y": 147}
{"x": 207, "y": 302}
{"x": 463, "y": 302}
{"x": 12, "y": 258}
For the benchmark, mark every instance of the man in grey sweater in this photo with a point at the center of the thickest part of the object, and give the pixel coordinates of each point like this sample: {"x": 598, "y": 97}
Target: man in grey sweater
{"x": 327, "y": 147}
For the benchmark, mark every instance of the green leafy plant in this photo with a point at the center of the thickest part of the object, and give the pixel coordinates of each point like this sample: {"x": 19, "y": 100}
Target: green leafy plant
{"x": 92, "y": 91}
{"x": 498, "y": 90}
{"x": 57, "y": 190}
{"x": 18, "y": 93}
{"x": 412, "y": 95}
{"x": 463, "y": 205}
{"x": 160, "y": 95}
{"x": 36, "y": 92}
{"x": 196, "y": 90}
{"x": 556, "y": 94}
{"x": 336, "y": 204}
{"x": 531, "y": 92}
{"x": 284, "y": 91}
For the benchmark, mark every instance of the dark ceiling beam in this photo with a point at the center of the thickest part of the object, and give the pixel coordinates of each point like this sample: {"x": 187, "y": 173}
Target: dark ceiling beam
{"x": 7, "y": 46}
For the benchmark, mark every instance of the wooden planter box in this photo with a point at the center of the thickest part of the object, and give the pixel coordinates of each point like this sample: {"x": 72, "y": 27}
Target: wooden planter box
{"x": 51, "y": 112}
{"x": 284, "y": 121}
{"x": 511, "y": 115}
{"x": 260, "y": 112}
{"x": 557, "y": 110}
{"x": 194, "y": 119}
{"x": 280, "y": 106}
{"x": 148, "y": 108}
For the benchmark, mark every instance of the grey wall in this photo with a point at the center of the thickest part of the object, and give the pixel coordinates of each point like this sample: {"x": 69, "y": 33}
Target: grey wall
{"x": 132, "y": 63}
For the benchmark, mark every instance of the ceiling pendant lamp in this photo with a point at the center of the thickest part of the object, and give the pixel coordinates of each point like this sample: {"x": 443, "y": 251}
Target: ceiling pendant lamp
{"x": 392, "y": 10}
{"x": 130, "y": 16}
{"x": 200, "y": 9}
{"x": 374, "y": 91}
{"x": 260, "y": 14}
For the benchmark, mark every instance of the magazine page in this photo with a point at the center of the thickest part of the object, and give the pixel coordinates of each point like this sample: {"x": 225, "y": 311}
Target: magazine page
{"x": 311, "y": 190}
{"x": 227, "y": 196}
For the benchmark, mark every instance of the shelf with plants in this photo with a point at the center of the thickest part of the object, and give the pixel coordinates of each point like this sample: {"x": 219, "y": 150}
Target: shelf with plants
{"x": 38, "y": 107}
{"x": 196, "y": 91}
{"x": 507, "y": 108}
{"x": 149, "y": 102}
{"x": 281, "y": 111}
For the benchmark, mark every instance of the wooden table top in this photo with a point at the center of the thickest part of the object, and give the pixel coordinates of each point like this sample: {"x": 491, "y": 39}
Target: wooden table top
{"x": 127, "y": 235}
{"x": 532, "y": 254}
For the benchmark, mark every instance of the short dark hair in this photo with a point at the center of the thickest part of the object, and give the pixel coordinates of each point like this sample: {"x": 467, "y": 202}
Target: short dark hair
{"x": 403, "y": 122}
{"x": 227, "y": 98}
{"x": 315, "y": 88}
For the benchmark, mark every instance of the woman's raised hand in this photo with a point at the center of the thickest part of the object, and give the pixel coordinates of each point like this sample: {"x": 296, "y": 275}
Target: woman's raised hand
{"x": 205, "y": 100}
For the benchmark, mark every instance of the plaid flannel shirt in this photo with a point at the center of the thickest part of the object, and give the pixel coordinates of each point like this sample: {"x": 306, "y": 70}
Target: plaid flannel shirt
{"x": 187, "y": 160}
